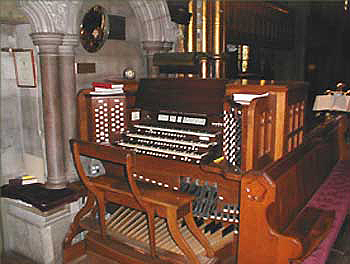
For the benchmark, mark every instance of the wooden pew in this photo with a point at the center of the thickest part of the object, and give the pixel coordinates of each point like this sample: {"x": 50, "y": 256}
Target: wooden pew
{"x": 275, "y": 226}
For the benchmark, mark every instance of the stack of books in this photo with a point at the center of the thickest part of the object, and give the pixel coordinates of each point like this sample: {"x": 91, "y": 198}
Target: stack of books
{"x": 105, "y": 88}
{"x": 27, "y": 179}
{"x": 24, "y": 180}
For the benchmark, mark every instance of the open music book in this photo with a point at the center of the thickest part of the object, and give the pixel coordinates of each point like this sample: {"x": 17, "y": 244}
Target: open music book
{"x": 332, "y": 102}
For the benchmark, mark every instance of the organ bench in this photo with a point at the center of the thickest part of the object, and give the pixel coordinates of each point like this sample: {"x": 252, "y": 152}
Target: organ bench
{"x": 142, "y": 196}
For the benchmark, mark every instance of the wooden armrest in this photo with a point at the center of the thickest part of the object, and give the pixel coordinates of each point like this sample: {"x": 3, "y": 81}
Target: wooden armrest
{"x": 311, "y": 227}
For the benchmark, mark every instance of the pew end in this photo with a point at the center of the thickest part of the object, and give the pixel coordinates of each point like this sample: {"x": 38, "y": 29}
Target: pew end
{"x": 277, "y": 223}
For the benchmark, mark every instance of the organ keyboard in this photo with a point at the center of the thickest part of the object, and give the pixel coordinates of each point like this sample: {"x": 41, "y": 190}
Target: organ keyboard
{"x": 163, "y": 139}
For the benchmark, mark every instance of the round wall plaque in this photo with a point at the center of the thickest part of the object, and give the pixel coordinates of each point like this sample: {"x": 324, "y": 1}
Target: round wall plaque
{"x": 94, "y": 28}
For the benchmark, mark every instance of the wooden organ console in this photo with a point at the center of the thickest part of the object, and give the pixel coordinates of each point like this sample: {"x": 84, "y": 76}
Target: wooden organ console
{"x": 195, "y": 127}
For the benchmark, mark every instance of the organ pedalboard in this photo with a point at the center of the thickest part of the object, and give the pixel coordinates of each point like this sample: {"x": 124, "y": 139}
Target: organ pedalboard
{"x": 177, "y": 136}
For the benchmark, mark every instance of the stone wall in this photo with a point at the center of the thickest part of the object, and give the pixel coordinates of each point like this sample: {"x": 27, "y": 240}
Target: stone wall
{"x": 115, "y": 55}
{"x": 21, "y": 146}
{"x": 22, "y": 133}
{"x": 21, "y": 123}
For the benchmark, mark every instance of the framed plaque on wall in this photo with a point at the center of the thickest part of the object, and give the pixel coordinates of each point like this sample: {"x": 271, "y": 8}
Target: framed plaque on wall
{"x": 25, "y": 68}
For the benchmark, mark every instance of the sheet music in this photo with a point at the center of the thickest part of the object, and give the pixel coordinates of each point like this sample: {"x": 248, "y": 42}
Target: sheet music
{"x": 337, "y": 102}
{"x": 245, "y": 99}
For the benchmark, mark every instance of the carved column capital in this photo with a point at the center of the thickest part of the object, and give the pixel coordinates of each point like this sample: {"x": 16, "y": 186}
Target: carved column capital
{"x": 52, "y": 16}
{"x": 69, "y": 42}
{"x": 48, "y": 42}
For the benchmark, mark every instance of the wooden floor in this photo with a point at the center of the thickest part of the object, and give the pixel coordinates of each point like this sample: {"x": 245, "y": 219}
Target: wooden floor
{"x": 341, "y": 254}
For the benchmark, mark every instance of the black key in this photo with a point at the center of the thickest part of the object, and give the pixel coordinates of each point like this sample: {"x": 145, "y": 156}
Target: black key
{"x": 199, "y": 221}
{"x": 216, "y": 228}
{"x": 228, "y": 230}
{"x": 209, "y": 226}
{"x": 212, "y": 210}
{"x": 225, "y": 210}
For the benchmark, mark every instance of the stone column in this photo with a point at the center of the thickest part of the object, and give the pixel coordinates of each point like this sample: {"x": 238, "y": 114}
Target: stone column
{"x": 67, "y": 84}
{"x": 151, "y": 48}
{"x": 48, "y": 53}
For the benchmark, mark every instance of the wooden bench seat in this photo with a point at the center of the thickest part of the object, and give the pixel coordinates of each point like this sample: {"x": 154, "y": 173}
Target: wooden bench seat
{"x": 142, "y": 196}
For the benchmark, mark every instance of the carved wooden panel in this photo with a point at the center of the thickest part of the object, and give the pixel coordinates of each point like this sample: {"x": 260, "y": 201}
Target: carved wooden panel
{"x": 295, "y": 117}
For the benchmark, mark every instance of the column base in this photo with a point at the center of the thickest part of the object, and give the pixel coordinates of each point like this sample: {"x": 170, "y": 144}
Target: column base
{"x": 39, "y": 235}
{"x": 56, "y": 186}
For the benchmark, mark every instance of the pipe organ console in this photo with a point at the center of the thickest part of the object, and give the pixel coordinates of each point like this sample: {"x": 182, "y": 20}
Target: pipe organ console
{"x": 163, "y": 124}
{"x": 188, "y": 124}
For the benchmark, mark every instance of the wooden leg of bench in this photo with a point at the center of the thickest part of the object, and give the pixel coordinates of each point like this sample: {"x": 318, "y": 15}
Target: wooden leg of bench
{"x": 75, "y": 226}
{"x": 178, "y": 238}
{"x": 151, "y": 230}
{"x": 102, "y": 213}
{"x": 197, "y": 233}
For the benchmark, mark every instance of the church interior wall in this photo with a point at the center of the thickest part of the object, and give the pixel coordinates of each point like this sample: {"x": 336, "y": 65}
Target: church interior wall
{"x": 115, "y": 55}
{"x": 20, "y": 116}
{"x": 20, "y": 111}
{"x": 22, "y": 140}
